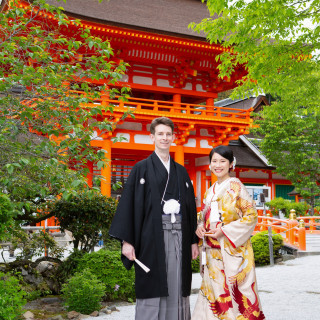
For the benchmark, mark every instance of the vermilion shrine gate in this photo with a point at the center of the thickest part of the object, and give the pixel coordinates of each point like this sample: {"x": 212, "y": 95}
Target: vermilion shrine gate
{"x": 173, "y": 73}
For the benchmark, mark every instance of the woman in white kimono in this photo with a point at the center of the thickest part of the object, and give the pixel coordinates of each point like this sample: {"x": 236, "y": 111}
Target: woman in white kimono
{"x": 225, "y": 224}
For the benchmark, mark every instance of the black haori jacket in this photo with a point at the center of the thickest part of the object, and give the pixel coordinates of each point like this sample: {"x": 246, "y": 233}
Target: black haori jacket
{"x": 138, "y": 221}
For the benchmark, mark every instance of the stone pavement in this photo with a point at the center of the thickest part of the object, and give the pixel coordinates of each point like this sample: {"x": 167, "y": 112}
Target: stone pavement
{"x": 288, "y": 291}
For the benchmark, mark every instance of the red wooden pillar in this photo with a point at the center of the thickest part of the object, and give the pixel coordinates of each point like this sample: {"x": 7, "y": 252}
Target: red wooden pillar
{"x": 177, "y": 103}
{"x": 179, "y": 154}
{"x": 106, "y": 170}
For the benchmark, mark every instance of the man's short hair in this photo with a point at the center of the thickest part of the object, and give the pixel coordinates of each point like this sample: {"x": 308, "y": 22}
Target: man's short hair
{"x": 161, "y": 120}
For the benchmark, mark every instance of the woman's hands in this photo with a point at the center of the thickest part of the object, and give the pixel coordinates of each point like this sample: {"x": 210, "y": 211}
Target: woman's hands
{"x": 213, "y": 233}
{"x": 200, "y": 231}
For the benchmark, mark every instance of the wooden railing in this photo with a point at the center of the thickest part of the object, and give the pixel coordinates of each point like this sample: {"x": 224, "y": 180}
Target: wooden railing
{"x": 311, "y": 223}
{"x": 292, "y": 231}
{"x": 196, "y": 111}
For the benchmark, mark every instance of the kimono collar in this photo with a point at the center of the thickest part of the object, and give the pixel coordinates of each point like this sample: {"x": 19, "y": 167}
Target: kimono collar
{"x": 166, "y": 165}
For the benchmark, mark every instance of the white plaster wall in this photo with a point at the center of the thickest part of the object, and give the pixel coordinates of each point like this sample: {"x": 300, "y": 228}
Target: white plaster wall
{"x": 199, "y": 87}
{"x": 191, "y": 143}
{"x": 142, "y": 138}
{"x": 142, "y": 80}
{"x": 188, "y": 86}
{"x": 163, "y": 83}
{"x": 205, "y": 144}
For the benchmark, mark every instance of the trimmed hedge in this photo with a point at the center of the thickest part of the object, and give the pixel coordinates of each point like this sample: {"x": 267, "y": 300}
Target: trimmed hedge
{"x": 107, "y": 267}
{"x": 260, "y": 244}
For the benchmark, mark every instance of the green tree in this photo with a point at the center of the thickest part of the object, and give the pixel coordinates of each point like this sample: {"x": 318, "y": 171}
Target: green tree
{"x": 84, "y": 215}
{"x": 6, "y": 215}
{"x": 48, "y": 115}
{"x": 278, "y": 43}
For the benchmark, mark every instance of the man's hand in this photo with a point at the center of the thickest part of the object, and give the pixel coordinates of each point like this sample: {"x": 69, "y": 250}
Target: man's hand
{"x": 128, "y": 251}
{"x": 194, "y": 251}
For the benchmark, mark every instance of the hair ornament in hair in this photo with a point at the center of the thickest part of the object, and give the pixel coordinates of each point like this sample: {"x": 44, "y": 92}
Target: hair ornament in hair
{"x": 234, "y": 162}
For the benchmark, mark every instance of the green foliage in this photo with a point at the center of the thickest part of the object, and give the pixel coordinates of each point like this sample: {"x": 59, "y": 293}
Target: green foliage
{"x": 260, "y": 245}
{"x": 108, "y": 268}
{"x": 6, "y": 215}
{"x": 195, "y": 265}
{"x": 11, "y": 297}
{"x": 83, "y": 292}
{"x": 69, "y": 266}
{"x": 84, "y": 215}
{"x": 285, "y": 206}
{"x": 35, "y": 244}
{"x": 277, "y": 204}
{"x": 111, "y": 244}
{"x": 44, "y": 129}
{"x": 301, "y": 208}
{"x": 276, "y": 43}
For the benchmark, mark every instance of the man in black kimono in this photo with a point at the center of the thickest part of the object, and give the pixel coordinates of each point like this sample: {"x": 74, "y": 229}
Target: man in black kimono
{"x": 156, "y": 222}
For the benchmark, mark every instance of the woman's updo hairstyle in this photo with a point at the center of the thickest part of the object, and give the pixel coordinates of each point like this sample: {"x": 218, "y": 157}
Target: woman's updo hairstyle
{"x": 224, "y": 151}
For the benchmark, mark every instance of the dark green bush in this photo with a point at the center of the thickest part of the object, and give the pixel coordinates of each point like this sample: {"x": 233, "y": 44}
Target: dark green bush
{"x": 85, "y": 215}
{"x": 69, "y": 266}
{"x": 11, "y": 297}
{"x": 83, "y": 292}
{"x": 260, "y": 244}
{"x": 108, "y": 268}
{"x": 111, "y": 244}
{"x": 195, "y": 265}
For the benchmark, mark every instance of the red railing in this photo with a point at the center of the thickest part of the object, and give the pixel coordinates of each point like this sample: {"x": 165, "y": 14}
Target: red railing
{"x": 143, "y": 106}
{"x": 311, "y": 222}
{"x": 293, "y": 232}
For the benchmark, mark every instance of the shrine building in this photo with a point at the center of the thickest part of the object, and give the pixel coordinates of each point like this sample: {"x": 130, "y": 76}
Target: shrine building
{"x": 173, "y": 73}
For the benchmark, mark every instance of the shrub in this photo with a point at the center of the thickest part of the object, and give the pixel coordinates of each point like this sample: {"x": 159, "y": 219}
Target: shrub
{"x": 69, "y": 266}
{"x": 11, "y": 297}
{"x": 83, "y": 292}
{"x": 285, "y": 206}
{"x": 260, "y": 244}
{"x": 85, "y": 215}
{"x": 195, "y": 265}
{"x": 107, "y": 267}
{"x": 112, "y": 244}
{"x": 278, "y": 204}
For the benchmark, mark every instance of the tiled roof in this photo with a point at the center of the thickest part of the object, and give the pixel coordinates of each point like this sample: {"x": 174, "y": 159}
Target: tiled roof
{"x": 251, "y": 102}
{"x": 246, "y": 157}
{"x": 160, "y": 16}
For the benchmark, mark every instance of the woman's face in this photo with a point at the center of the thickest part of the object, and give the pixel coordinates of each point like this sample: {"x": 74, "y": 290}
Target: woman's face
{"x": 220, "y": 167}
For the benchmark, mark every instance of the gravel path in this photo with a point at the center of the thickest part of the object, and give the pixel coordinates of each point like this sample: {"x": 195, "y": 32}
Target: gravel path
{"x": 288, "y": 291}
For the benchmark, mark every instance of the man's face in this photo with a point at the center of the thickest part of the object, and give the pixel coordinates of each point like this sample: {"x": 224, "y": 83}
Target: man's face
{"x": 162, "y": 137}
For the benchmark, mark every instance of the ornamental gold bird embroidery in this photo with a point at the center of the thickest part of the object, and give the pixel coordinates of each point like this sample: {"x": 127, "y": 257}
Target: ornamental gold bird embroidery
{"x": 248, "y": 310}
